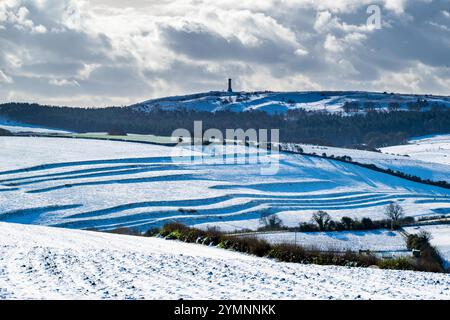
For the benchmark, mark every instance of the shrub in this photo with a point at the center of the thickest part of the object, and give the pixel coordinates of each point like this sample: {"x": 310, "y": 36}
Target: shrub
{"x": 254, "y": 246}
{"x": 401, "y": 263}
{"x": 307, "y": 227}
{"x": 151, "y": 232}
{"x": 287, "y": 253}
{"x": 173, "y": 226}
{"x": 367, "y": 223}
{"x": 348, "y": 223}
{"x": 418, "y": 241}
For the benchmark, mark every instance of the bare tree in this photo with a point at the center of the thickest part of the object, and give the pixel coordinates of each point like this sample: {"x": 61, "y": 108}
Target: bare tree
{"x": 322, "y": 219}
{"x": 394, "y": 212}
{"x": 270, "y": 222}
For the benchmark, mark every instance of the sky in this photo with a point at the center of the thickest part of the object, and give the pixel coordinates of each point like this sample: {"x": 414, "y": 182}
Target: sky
{"x": 109, "y": 52}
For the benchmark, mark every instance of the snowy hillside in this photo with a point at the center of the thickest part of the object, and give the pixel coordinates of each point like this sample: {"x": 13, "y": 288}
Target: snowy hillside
{"x": 280, "y": 102}
{"x": 82, "y": 184}
{"x": 434, "y": 149}
{"x": 393, "y": 158}
{"x": 49, "y": 263}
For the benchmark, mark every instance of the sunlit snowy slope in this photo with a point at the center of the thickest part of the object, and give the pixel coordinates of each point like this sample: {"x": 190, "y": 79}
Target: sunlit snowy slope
{"x": 426, "y": 165}
{"x": 434, "y": 149}
{"x": 82, "y": 184}
{"x": 44, "y": 263}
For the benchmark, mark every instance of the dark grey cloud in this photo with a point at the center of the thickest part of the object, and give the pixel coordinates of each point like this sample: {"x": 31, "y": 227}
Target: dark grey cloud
{"x": 208, "y": 45}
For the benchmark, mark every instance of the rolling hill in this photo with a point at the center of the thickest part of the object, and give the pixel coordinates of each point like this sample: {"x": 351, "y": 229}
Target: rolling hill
{"x": 281, "y": 102}
{"x": 78, "y": 183}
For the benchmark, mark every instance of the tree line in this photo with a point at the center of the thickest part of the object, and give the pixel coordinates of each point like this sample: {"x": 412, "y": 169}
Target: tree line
{"x": 370, "y": 129}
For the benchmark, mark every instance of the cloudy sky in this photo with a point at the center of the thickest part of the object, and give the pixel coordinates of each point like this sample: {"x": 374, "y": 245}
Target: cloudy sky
{"x": 114, "y": 52}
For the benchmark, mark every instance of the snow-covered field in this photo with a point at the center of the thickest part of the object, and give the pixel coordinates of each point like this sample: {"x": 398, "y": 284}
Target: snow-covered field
{"x": 434, "y": 149}
{"x": 82, "y": 184}
{"x": 49, "y": 263}
{"x": 373, "y": 240}
{"x": 425, "y": 166}
{"x": 383, "y": 242}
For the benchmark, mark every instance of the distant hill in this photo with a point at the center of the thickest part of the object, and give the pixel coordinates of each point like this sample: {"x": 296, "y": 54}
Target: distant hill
{"x": 342, "y": 119}
{"x": 281, "y": 102}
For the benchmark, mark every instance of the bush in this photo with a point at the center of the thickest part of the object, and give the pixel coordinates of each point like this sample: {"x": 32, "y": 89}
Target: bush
{"x": 151, "y": 232}
{"x": 307, "y": 227}
{"x": 418, "y": 241}
{"x": 255, "y": 246}
{"x": 367, "y": 223}
{"x": 287, "y": 253}
{"x": 173, "y": 226}
{"x": 401, "y": 263}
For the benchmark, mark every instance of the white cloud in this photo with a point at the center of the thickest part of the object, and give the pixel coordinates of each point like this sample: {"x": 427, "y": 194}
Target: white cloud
{"x": 332, "y": 44}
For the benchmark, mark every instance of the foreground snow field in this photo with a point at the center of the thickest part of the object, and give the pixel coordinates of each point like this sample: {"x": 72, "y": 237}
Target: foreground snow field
{"x": 78, "y": 183}
{"x": 43, "y": 263}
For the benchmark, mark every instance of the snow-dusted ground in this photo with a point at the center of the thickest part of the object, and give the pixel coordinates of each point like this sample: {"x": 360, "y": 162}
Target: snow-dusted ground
{"x": 424, "y": 166}
{"x": 434, "y": 149}
{"x": 281, "y": 102}
{"x": 374, "y": 240}
{"x": 48, "y": 263}
{"x": 78, "y": 183}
